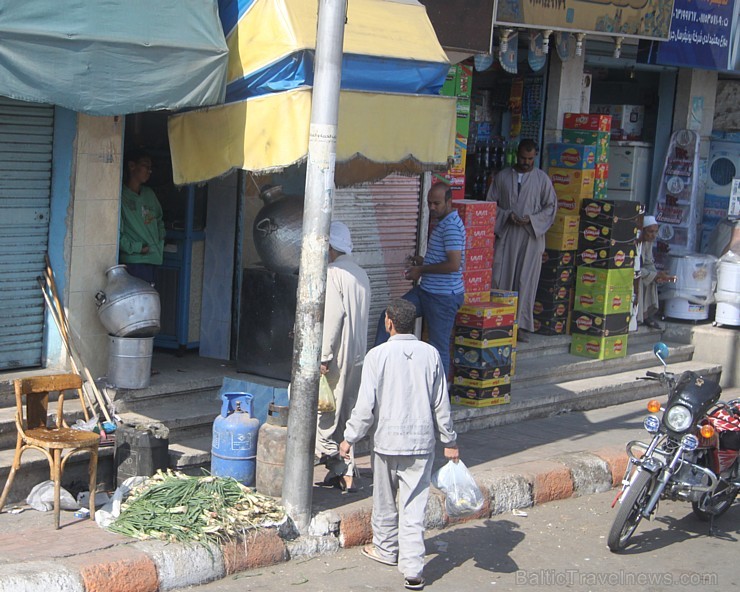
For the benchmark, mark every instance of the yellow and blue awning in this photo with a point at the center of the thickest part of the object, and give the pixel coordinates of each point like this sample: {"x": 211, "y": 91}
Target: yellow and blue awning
{"x": 110, "y": 57}
{"x": 390, "y": 110}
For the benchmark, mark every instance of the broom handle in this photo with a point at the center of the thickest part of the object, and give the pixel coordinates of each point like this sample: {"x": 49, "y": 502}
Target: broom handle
{"x": 70, "y": 346}
{"x": 81, "y": 392}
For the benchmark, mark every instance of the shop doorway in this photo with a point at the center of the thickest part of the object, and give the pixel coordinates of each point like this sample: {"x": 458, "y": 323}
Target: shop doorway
{"x": 179, "y": 280}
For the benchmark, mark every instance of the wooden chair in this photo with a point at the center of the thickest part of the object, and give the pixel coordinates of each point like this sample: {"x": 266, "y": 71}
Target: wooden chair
{"x": 33, "y": 432}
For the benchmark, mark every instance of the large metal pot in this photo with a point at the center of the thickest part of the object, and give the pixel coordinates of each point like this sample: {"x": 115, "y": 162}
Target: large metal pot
{"x": 129, "y": 306}
{"x": 277, "y": 230}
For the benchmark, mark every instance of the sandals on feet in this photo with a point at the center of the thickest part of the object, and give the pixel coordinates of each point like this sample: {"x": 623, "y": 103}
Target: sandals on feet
{"x": 345, "y": 487}
{"x": 414, "y": 583}
{"x": 371, "y": 552}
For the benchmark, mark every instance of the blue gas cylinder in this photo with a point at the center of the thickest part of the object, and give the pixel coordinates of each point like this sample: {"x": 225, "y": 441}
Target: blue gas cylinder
{"x": 234, "y": 446}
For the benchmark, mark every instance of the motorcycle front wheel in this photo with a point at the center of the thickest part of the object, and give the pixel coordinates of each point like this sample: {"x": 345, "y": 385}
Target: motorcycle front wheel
{"x": 630, "y": 511}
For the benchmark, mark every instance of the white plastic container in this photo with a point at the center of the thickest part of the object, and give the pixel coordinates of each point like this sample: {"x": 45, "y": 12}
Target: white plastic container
{"x": 681, "y": 308}
{"x": 728, "y": 292}
{"x": 695, "y": 279}
{"x": 727, "y": 313}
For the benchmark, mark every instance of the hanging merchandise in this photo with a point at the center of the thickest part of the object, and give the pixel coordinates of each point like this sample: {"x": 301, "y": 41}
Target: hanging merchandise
{"x": 509, "y": 56}
{"x": 482, "y": 61}
{"x": 676, "y": 209}
{"x": 515, "y": 107}
{"x": 536, "y": 55}
{"x": 566, "y": 45}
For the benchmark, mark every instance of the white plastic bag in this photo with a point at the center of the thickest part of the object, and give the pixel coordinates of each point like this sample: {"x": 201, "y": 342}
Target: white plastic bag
{"x": 112, "y": 510}
{"x": 462, "y": 494}
{"x": 41, "y": 498}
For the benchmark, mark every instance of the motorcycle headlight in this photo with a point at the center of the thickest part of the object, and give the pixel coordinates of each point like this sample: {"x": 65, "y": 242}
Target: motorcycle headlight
{"x": 652, "y": 424}
{"x": 678, "y": 418}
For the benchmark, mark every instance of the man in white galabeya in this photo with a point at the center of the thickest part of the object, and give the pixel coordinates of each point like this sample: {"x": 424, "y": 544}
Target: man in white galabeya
{"x": 343, "y": 349}
{"x": 526, "y": 210}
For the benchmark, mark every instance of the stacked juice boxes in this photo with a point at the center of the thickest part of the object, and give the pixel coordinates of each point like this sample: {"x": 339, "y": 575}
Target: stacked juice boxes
{"x": 552, "y": 303}
{"x": 484, "y": 355}
{"x": 479, "y": 218}
{"x": 578, "y": 167}
{"x": 599, "y": 140}
{"x": 571, "y": 168}
{"x": 603, "y": 289}
{"x": 459, "y": 83}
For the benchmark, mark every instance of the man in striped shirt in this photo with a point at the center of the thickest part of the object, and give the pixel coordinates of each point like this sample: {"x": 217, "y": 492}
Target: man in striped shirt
{"x": 439, "y": 294}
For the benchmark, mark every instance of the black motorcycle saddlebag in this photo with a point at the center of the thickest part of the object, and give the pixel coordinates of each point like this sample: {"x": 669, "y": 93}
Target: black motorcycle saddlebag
{"x": 729, "y": 440}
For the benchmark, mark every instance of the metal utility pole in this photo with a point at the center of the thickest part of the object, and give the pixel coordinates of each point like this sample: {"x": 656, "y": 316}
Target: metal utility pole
{"x": 304, "y": 385}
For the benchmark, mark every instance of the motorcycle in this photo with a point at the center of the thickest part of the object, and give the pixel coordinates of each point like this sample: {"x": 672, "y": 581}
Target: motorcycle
{"x": 692, "y": 456}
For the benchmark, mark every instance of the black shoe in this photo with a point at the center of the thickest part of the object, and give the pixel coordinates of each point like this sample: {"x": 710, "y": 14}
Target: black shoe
{"x": 414, "y": 583}
{"x": 522, "y": 336}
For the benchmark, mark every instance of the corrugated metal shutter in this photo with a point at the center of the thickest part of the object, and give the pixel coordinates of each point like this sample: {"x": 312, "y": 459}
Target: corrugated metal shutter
{"x": 384, "y": 220}
{"x": 26, "y": 133}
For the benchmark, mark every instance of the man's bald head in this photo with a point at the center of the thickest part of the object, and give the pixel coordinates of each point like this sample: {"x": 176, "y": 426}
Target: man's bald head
{"x": 439, "y": 200}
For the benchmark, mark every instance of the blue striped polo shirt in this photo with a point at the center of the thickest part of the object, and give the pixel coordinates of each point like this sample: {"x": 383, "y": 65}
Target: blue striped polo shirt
{"x": 448, "y": 235}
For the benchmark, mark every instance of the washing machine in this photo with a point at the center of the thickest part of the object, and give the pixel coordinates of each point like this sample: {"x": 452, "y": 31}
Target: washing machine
{"x": 723, "y": 165}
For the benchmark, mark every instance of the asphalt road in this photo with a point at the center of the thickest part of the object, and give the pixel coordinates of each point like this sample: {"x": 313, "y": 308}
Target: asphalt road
{"x": 556, "y": 546}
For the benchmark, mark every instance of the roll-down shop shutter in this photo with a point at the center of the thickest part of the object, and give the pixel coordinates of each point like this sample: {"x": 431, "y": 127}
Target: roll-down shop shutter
{"x": 383, "y": 218}
{"x": 26, "y": 133}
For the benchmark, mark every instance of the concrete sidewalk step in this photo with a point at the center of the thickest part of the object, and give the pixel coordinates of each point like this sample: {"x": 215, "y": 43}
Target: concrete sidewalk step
{"x": 191, "y": 450}
{"x": 574, "y": 395}
{"x": 546, "y": 345}
{"x": 551, "y": 368}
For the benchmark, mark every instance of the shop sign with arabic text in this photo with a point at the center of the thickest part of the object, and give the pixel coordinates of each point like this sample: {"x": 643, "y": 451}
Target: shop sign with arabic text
{"x": 644, "y": 19}
{"x": 701, "y": 36}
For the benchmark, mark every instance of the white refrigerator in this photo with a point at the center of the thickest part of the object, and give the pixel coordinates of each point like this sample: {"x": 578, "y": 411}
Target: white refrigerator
{"x": 630, "y": 164}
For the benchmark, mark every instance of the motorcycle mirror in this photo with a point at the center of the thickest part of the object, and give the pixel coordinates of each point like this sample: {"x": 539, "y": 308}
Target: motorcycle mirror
{"x": 661, "y": 352}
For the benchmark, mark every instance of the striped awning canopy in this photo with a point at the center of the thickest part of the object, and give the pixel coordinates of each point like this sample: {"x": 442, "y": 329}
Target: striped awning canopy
{"x": 391, "y": 116}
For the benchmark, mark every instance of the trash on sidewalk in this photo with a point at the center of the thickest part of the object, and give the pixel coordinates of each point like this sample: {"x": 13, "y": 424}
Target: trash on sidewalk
{"x": 41, "y": 498}
{"x": 519, "y": 513}
{"x": 175, "y": 507}
{"x": 105, "y": 516}
{"x": 86, "y": 426}
{"x": 101, "y": 498}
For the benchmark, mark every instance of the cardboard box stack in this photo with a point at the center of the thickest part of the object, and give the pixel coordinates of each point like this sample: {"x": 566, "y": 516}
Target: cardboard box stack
{"x": 552, "y": 303}
{"x": 600, "y": 143}
{"x": 479, "y": 218}
{"x": 627, "y": 120}
{"x": 603, "y": 288}
{"x": 459, "y": 83}
{"x": 484, "y": 356}
{"x": 578, "y": 167}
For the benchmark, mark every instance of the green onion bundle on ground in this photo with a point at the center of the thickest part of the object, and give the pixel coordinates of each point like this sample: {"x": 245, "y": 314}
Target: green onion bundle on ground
{"x": 175, "y": 507}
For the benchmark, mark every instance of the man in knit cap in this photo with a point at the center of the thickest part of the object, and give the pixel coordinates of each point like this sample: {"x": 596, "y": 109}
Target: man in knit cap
{"x": 650, "y": 277}
{"x": 343, "y": 350}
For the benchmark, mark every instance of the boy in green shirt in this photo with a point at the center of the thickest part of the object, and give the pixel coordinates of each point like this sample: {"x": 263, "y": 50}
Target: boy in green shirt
{"x": 141, "y": 240}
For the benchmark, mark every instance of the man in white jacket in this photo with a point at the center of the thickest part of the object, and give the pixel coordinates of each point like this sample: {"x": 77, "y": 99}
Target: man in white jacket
{"x": 403, "y": 397}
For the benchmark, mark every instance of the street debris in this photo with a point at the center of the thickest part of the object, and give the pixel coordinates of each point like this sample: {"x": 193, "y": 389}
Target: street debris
{"x": 175, "y": 507}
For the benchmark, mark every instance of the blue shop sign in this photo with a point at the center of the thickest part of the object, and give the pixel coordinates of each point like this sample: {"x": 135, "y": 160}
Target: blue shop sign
{"x": 702, "y": 36}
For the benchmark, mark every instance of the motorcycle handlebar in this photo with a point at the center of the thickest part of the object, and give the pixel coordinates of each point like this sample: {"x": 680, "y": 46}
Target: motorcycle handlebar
{"x": 650, "y": 374}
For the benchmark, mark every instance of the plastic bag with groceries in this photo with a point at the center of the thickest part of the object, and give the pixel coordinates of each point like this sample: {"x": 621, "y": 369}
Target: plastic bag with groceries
{"x": 462, "y": 494}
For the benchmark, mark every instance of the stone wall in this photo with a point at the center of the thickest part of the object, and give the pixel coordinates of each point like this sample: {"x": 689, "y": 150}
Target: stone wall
{"x": 94, "y": 216}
